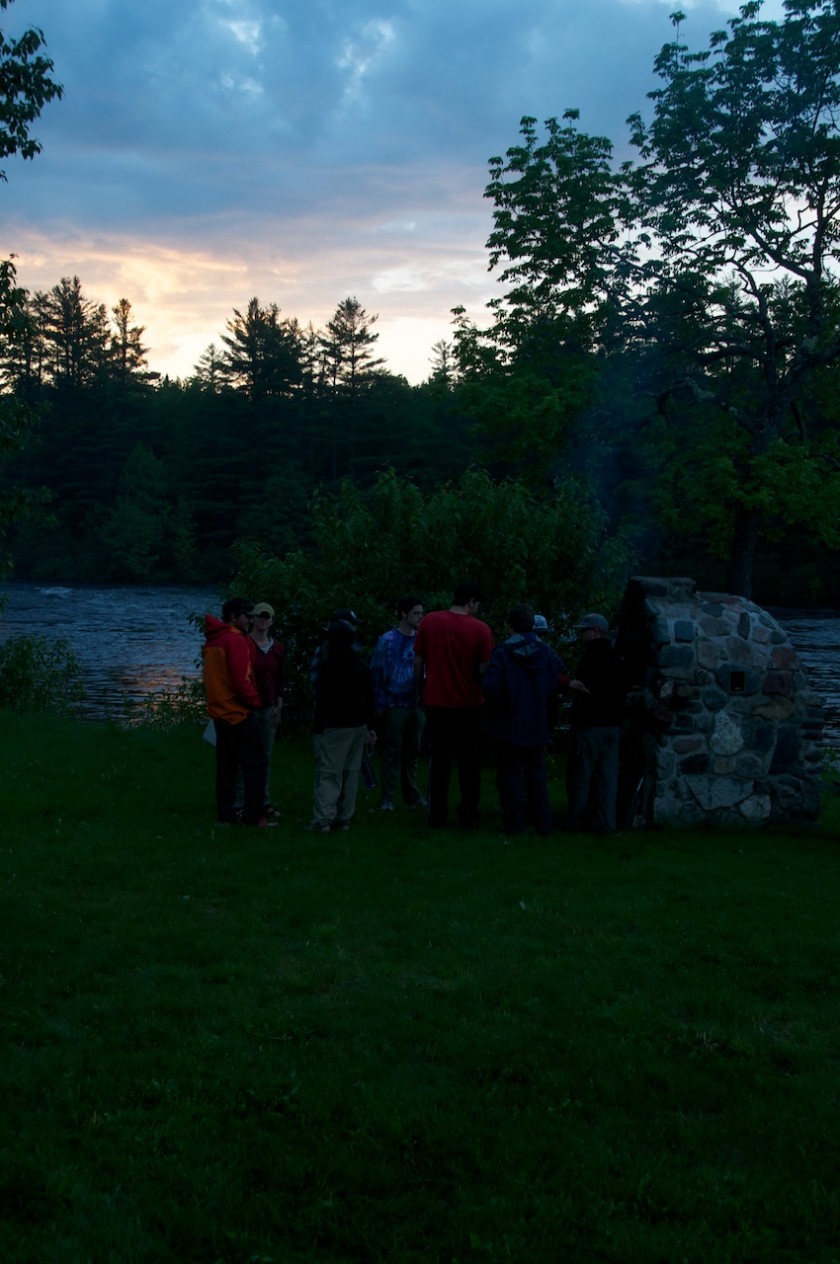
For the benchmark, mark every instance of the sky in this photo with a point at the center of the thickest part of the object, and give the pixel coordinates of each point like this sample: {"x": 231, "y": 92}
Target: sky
{"x": 302, "y": 151}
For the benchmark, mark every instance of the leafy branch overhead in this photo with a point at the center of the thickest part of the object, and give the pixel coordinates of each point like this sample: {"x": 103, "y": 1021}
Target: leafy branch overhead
{"x": 26, "y": 87}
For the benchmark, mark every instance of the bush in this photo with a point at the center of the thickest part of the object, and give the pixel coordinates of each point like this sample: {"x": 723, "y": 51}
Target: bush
{"x": 370, "y": 547}
{"x": 40, "y": 674}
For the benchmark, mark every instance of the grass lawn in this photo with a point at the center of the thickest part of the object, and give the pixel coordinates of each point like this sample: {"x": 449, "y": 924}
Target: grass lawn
{"x": 400, "y": 1045}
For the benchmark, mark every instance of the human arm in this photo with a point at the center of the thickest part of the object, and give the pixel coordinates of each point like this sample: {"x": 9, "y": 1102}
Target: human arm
{"x": 241, "y": 671}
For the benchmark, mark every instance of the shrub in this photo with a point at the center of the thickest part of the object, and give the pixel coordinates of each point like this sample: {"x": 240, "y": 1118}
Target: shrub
{"x": 38, "y": 673}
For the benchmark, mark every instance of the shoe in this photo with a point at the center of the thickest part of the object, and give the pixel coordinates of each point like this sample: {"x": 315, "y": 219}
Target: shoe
{"x": 314, "y": 828}
{"x": 264, "y": 823}
{"x": 340, "y": 827}
{"x": 271, "y": 812}
{"x": 420, "y": 802}
{"x": 386, "y": 806}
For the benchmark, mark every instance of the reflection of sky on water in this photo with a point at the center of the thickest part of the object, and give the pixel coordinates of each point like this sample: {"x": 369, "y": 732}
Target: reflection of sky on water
{"x": 130, "y": 642}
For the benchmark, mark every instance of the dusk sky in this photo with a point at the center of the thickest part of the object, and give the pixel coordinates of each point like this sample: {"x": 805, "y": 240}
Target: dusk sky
{"x": 207, "y": 151}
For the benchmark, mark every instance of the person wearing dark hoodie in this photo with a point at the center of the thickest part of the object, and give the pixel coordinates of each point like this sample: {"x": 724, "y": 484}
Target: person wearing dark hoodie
{"x": 342, "y": 726}
{"x": 520, "y": 689}
{"x": 599, "y": 690}
{"x": 232, "y": 701}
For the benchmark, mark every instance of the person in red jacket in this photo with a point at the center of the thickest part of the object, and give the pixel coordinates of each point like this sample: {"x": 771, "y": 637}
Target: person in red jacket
{"x": 232, "y": 701}
{"x": 451, "y": 651}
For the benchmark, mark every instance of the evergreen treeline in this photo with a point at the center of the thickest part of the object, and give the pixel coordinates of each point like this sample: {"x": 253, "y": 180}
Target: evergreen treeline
{"x": 152, "y": 479}
{"x": 156, "y": 480}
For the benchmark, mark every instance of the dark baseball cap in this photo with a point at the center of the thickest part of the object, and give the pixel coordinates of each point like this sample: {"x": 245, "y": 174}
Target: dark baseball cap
{"x": 236, "y": 605}
{"x": 346, "y": 615}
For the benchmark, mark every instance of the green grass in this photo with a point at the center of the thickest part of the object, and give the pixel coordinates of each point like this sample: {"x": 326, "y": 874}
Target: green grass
{"x": 396, "y": 1045}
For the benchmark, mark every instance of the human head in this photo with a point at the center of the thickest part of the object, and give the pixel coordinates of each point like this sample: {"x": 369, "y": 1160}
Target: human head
{"x": 521, "y": 618}
{"x": 264, "y": 613}
{"x": 592, "y": 626}
{"x": 410, "y": 609}
{"x": 340, "y": 636}
{"x": 468, "y": 594}
{"x": 345, "y": 615}
{"x": 541, "y": 625}
{"x": 237, "y": 611}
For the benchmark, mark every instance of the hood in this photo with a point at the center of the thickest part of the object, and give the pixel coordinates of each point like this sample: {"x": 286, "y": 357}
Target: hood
{"x": 216, "y": 628}
{"x": 527, "y": 649}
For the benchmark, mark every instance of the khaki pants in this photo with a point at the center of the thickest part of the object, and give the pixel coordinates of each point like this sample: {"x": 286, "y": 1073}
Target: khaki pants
{"x": 338, "y": 761}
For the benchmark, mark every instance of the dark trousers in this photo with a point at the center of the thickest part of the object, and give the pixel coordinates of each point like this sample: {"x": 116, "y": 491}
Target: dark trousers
{"x": 455, "y": 737}
{"x": 523, "y": 788}
{"x": 240, "y": 746}
{"x": 593, "y": 779}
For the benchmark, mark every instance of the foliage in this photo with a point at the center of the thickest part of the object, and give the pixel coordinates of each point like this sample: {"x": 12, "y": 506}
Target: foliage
{"x": 26, "y": 87}
{"x": 175, "y": 708}
{"x": 389, "y": 1045}
{"x": 263, "y": 352}
{"x": 39, "y": 673}
{"x": 156, "y": 479}
{"x": 369, "y": 547}
{"x": 710, "y": 260}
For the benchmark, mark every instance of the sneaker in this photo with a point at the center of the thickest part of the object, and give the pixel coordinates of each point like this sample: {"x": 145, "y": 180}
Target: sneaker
{"x": 420, "y": 802}
{"x": 264, "y": 823}
{"x": 315, "y": 828}
{"x": 340, "y": 827}
{"x": 271, "y": 812}
{"x": 386, "y": 806}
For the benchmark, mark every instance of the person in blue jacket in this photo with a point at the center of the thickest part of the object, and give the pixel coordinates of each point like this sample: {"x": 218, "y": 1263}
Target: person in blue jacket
{"x": 520, "y": 690}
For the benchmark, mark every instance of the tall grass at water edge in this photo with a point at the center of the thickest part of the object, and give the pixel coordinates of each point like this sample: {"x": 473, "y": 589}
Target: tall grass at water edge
{"x": 395, "y": 1045}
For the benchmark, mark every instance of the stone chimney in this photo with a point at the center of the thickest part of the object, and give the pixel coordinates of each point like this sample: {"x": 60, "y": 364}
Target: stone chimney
{"x": 725, "y": 729}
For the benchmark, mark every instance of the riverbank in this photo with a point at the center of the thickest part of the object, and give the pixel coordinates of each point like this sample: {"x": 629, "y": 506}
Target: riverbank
{"x": 390, "y": 1045}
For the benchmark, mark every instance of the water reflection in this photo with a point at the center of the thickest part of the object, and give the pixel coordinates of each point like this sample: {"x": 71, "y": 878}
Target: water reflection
{"x": 131, "y": 642}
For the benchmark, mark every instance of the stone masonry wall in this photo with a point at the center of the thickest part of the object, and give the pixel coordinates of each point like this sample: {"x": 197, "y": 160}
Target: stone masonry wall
{"x": 744, "y": 742}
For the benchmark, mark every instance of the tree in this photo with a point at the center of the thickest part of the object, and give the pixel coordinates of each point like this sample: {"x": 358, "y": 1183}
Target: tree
{"x": 129, "y": 358}
{"x": 210, "y": 369}
{"x": 368, "y": 546}
{"x": 348, "y": 349}
{"x": 25, "y": 88}
{"x": 710, "y": 260}
{"x": 349, "y": 370}
{"x": 75, "y": 330}
{"x": 263, "y": 352}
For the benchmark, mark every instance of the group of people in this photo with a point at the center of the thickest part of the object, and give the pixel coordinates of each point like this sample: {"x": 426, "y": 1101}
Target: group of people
{"x": 435, "y": 682}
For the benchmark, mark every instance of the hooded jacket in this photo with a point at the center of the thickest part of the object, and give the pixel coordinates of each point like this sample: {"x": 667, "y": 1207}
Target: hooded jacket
{"x": 520, "y": 690}
{"x": 228, "y": 674}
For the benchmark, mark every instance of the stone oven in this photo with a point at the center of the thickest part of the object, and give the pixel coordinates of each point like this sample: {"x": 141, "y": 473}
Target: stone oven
{"x": 724, "y": 728}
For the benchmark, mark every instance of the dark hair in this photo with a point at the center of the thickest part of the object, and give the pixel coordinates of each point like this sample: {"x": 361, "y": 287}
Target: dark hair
{"x": 234, "y": 606}
{"x": 467, "y": 592}
{"x": 521, "y": 618}
{"x": 408, "y": 603}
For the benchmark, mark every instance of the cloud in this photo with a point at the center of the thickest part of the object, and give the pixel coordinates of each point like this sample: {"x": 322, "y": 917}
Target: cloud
{"x": 208, "y": 150}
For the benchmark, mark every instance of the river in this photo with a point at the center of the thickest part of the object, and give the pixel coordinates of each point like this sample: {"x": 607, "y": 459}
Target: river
{"x": 133, "y": 642}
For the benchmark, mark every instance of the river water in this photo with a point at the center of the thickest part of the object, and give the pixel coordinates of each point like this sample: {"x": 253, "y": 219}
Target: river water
{"x": 133, "y": 642}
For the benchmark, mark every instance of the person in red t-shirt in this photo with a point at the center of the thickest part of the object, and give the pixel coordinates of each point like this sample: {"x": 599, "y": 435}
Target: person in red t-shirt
{"x": 451, "y": 651}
